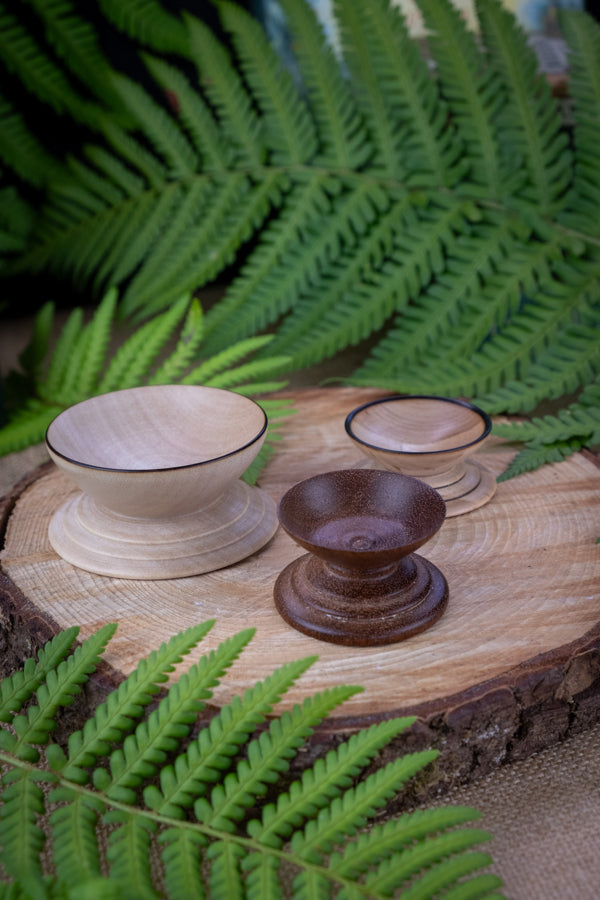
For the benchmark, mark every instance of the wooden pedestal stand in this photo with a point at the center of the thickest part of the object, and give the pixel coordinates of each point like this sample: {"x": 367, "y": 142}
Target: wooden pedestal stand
{"x": 512, "y": 667}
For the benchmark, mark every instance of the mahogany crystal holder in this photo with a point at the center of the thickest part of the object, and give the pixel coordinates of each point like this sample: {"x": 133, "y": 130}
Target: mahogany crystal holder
{"x": 431, "y": 438}
{"x": 361, "y": 583}
{"x": 158, "y": 469}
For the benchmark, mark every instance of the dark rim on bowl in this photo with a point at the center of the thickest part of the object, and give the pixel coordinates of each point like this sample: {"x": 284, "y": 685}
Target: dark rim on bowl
{"x": 480, "y": 412}
{"x": 193, "y": 465}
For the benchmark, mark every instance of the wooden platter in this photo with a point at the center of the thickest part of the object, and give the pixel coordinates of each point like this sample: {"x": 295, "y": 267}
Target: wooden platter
{"x": 512, "y": 667}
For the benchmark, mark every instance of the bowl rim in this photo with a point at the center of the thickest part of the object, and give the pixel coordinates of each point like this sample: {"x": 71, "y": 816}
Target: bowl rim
{"x": 487, "y": 422}
{"x": 192, "y": 465}
{"x": 369, "y": 475}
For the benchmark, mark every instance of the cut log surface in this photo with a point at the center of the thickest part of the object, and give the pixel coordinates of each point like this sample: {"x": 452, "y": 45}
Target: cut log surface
{"x": 512, "y": 666}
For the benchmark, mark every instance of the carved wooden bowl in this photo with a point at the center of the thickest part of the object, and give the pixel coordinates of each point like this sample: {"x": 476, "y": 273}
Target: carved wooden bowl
{"x": 361, "y": 583}
{"x": 158, "y": 468}
{"x": 431, "y": 438}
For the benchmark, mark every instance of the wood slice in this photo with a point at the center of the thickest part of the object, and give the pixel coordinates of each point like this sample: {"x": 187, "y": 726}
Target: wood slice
{"x": 513, "y": 665}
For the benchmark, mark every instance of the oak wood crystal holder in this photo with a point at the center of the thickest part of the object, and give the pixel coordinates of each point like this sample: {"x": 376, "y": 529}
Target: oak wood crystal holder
{"x": 158, "y": 468}
{"x": 361, "y": 583}
{"x": 431, "y": 438}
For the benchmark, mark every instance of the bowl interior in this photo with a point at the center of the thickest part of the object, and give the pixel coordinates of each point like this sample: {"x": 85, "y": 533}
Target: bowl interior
{"x": 156, "y": 427}
{"x": 361, "y": 510}
{"x": 418, "y": 424}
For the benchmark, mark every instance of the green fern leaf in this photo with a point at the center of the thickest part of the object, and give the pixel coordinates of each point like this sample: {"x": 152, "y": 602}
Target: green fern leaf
{"x": 446, "y": 875}
{"x": 343, "y": 139}
{"x": 326, "y": 780}
{"x": 20, "y": 151}
{"x": 429, "y": 149}
{"x": 226, "y": 92}
{"x": 186, "y": 349}
{"x": 16, "y": 689}
{"x": 406, "y": 832}
{"x": 530, "y": 128}
{"x": 181, "y": 857}
{"x": 149, "y": 22}
{"x": 216, "y": 744}
{"x": 292, "y": 266}
{"x": 239, "y": 759}
{"x": 289, "y": 130}
{"x": 345, "y": 815}
{"x": 59, "y": 689}
{"x": 225, "y": 871}
{"x": 117, "y": 715}
{"x": 76, "y": 42}
{"x": 133, "y": 359}
{"x": 194, "y": 114}
{"x": 532, "y": 458}
{"x": 24, "y": 56}
{"x": 474, "y": 96}
{"x": 146, "y": 749}
{"x": 129, "y": 854}
{"x": 21, "y": 838}
{"x": 161, "y": 129}
{"x": 415, "y": 860}
{"x": 266, "y": 760}
{"x": 582, "y": 34}
{"x": 73, "y": 826}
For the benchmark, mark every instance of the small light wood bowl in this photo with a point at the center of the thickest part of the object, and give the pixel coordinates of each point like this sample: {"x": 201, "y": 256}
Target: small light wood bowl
{"x": 361, "y": 584}
{"x": 431, "y": 438}
{"x": 159, "y": 470}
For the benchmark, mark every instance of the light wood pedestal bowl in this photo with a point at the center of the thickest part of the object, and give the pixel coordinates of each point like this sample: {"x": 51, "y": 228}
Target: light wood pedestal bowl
{"x": 158, "y": 468}
{"x": 431, "y": 438}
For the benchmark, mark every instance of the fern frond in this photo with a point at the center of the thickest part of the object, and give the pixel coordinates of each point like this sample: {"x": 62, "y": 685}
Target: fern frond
{"x": 343, "y": 141}
{"x": 148, "y": 22}
{"x": 217, "y": 744}
{"x": 289, "y": 131}
{"x": 582, "y": 34}
{"x": 147, "y": 748}
{"x": 16, "y": 689}
{"x": 267, "y": 759}
{"x": 235, "y": 208}
{"x": 194, "y": 114}
{"x": 553, "y": 438}
{"x": 21, "y": 838}
{"x": 86, "y": 361}
{"x": 27, "y": 427}
{"x": 75, "y": 41}
{"x": 373, "y": 284}
{"x": 292, "y": 256}
{"x": 531, "y": 130}
{"x": 117, "y": 715}
{"x": 430, "y": 152}
{"x": 345, "y": 815}
{"x": 226, "y": 858}
{"x": 225, "y": 90}
{"x": 40, "y": 74}
{"x": 160, "y": 128}
{"x": 129, "y": 854}
{"x": 181, "y": 858}
{"x": 73, "y": 828}
{"x": 133, "y": 359}
{"x": 58, "y": 689}
{"x": 324, "y": 781}
{"x": 21, "y": 151}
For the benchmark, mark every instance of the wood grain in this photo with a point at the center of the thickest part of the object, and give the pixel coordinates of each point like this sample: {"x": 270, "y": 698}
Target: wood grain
{"x": 513, "y": 665}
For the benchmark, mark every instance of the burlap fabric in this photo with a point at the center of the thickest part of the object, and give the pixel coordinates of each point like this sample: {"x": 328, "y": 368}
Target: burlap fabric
{"x": 543, "y": 813}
